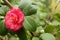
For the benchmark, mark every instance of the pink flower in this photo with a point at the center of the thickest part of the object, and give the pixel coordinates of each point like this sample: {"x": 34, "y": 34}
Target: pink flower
{"x": 14, "y": 19}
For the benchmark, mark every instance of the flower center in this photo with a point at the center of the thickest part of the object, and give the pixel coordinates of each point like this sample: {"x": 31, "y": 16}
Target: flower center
{"x": 13, "y": 19}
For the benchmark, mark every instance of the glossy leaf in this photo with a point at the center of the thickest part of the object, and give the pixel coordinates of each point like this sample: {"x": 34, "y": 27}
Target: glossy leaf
{"x": 3, "y": 10}
{"x": 35, "y": 38}
{"x": 50, "y": 29}
{"x": 15, "y": 3}
{"x": 27, "y": 7}
{"x": 40, "y": 30}
{"x": 22, "y": 34}
{"x": 3, "y": 30}
{"x": 47, "y": 36}
{"x": 30, "y": 24}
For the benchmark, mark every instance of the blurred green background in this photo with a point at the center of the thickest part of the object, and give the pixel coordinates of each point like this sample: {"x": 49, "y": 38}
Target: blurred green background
{"x": 42, "y": 20}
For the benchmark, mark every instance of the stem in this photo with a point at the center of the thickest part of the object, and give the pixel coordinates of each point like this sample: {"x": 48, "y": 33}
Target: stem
{"x": 50, "y": 17}
{"x": 33, "y": 33}
{"x": 8, "y": 3}
{"x": 57, "y": 4}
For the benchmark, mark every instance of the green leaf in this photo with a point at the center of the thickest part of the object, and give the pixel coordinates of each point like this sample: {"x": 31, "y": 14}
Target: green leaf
{"x": 24, "y": 3}
{"x": 47, "y": 36}
{"x": 41, "y": 14}
{"x": 43, "y": 8}
{"x": 57, "y": 17}
{"x": 35, "y": 38}
{"x": 15, "y": 3}
{"x": 1, "y": 18}
{"x": 11, "y": 32}
{"x": 27, "y": 7}
{"x": 3, "y": 30}
{"x": 3, "y": 10}
{"x": 50, "y": 29}
{"x": 1, "y": 1}
{"x": 40, "y": 30}
{"x": 30, "y": 24}
{"x": 56, "y": 23}
{"x": 13, "y": 38}
{"x": 22, "y": 34}
{"x": 29, "y": 36}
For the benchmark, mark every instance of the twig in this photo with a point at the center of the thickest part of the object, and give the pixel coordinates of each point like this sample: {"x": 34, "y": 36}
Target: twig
{"x": 57, "y": 4}
{"x": 33, "y": 33}
{"x": 50, "y": 17}
{"x": 8, "y": 3}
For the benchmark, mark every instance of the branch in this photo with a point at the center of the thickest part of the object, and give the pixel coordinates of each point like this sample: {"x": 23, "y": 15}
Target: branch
{"x": 8, "y": 3}
{"x": 50, "y": 16}
{"x": 57, "y": 4}
{"x": 33, "y": 33}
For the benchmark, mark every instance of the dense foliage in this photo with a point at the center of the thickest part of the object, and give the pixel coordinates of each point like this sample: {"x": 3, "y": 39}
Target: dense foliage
{"x": 41, "y": 20}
